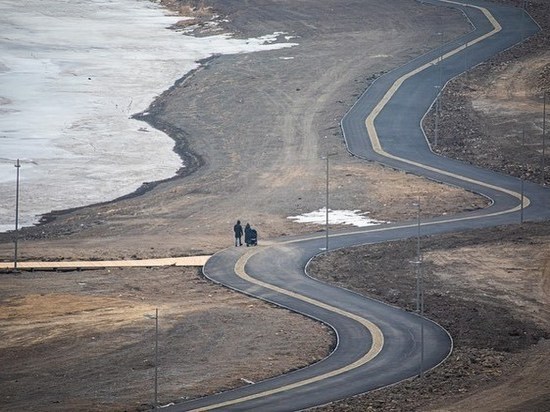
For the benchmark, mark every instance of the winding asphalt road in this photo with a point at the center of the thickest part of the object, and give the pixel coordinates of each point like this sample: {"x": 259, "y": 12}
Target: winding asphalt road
{"x": 379, "y": 345}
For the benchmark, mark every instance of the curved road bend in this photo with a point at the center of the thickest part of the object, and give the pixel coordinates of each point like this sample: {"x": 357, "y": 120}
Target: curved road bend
{"x": 378, "y": 344}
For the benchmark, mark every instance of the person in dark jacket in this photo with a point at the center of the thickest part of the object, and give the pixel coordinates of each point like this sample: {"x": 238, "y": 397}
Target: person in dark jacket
{"x": 238, "y": 229}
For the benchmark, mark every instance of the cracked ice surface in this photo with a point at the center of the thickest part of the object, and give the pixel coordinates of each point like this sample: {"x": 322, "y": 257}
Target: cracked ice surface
{"x": 72, "y": 72}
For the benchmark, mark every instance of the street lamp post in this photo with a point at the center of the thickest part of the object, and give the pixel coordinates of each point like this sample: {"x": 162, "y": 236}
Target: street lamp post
{"x": 326, "y": 212}
{"x": 327, "y": 200}
{"x": 465, "y": 62}
{"x": 156, "y": 355}
{"x": 156, "y": 317}
{"x": 16, "y": 239}
{"x": 419, "y": 291}
{"x": 437, "y": 113}
{"x": 522, "y": 180}
{"x": 418, "y": 257}
{"x": 439, "y": 88}
{"x": 543, "y": 137}
{"x": 521, "y": 200}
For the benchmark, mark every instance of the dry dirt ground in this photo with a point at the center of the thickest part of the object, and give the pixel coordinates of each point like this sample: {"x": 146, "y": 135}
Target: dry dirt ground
{"x": 490, "y": 289}
{"x": 252, "y": 130}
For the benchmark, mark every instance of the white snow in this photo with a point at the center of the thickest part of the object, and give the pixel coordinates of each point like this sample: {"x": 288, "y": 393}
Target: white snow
{"x": 337, "y": 217}
{"x": 72, "y": 72}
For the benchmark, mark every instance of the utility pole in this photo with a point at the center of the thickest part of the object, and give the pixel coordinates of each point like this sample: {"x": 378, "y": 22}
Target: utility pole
{"x": 156, "y": 318}
{"x": 326, "y": 212}
{"x": 156, "y": 356}
{"x": 522, "y": 197}
{"x": 419, "y": 291}
{"x": 17, "y": 166}
{"x": 521, "y": 177}
{"x": 439, "y": 89}
{"x": 543, "y": 138}
{"x": 437, "y": 112}
{"x": 465, "y": 62}
{"x": 418, "y": 257}
{"x": 327, "y": 199}
{"x": 421, "y": 288}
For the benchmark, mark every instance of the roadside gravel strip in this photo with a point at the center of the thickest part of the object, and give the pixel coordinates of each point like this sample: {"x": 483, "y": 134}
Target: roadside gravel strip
{"x": 379, "y": 345}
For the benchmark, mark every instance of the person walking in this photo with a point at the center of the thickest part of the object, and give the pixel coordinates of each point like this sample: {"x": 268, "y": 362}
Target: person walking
{"x": 238, "y": 229}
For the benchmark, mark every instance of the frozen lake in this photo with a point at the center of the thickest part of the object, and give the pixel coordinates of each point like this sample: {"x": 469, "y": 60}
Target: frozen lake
{"x": 72, "y": 73}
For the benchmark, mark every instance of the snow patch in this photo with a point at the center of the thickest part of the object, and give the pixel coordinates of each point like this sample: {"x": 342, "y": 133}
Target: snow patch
{"x": 337, "y": 217}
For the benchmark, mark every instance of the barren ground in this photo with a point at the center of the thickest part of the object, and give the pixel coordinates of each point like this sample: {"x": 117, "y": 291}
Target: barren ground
{"x": 252, "y": 130}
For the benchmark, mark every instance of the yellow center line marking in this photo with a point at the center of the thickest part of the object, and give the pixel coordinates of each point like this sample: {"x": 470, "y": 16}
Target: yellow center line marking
{"x": 373, "y": 134}
{"x": 377, "y": 337}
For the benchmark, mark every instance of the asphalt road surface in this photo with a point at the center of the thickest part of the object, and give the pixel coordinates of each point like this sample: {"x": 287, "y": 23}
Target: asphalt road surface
{"x": 378, "y": 345}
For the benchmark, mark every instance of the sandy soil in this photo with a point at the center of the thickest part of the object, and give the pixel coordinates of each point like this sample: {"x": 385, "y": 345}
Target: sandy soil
{"x": 82, "y": 341}
{"x": 253, "y": 130}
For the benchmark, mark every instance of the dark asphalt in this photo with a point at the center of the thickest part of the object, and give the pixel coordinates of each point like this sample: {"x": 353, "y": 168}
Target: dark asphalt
{"x": 278, "y": 270}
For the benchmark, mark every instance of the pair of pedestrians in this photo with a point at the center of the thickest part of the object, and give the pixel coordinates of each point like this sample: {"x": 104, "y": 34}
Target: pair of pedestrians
{"x": 250, "y": 235}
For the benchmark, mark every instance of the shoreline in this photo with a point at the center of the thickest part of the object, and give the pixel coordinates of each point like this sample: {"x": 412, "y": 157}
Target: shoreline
{"x": 68, "y": 147}
{"x": 99, "y": 181}
{"x": 191, "y": 162}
